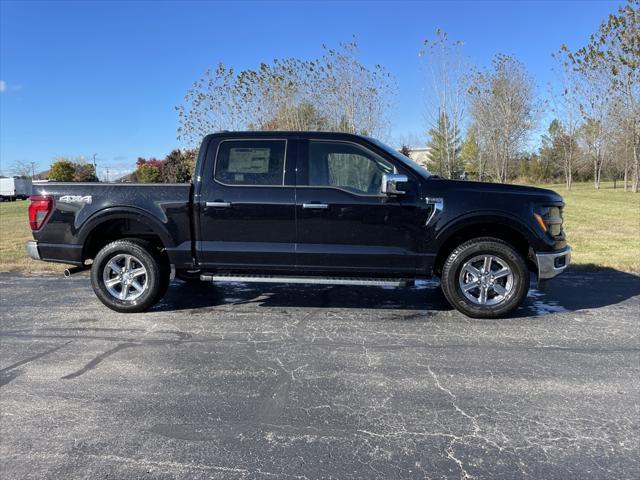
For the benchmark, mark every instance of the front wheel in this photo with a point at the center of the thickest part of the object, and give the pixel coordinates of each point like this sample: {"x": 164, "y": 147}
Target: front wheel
{"x": 128, "y": 276}
{"x": 485, "y": 278}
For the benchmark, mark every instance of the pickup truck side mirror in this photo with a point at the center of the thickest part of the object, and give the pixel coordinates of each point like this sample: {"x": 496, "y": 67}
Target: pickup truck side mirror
{"x": 390, "y": 183}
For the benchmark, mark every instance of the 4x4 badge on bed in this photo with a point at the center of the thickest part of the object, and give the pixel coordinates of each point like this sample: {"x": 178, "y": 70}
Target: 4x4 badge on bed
{"x": 75, "y": 199}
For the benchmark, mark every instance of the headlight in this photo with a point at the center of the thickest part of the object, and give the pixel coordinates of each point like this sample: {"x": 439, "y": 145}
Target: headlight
{"x": 549, "y": 219}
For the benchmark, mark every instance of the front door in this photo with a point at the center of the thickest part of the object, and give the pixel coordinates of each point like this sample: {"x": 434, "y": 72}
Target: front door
{"x": 345, "y": 223}
{"x": 246, "y": 208}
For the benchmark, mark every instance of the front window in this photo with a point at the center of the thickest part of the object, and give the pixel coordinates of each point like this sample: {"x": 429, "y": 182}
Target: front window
{"x": 346, "y": 166}
{"x": 251, "y": 162}
{"x": 409, "y": 162}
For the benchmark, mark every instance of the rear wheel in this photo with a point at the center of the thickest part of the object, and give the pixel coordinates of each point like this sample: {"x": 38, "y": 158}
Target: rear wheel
{"x": 485, "y": 278}
{"x": 129, "y": 276}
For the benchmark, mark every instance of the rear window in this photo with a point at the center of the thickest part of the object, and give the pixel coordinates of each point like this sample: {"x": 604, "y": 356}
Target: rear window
{"x": 251, "y": 162}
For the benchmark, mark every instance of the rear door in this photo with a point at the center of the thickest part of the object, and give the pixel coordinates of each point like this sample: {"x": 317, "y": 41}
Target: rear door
{"x": 247, "y": 205}
{"x": 345, "y": 223}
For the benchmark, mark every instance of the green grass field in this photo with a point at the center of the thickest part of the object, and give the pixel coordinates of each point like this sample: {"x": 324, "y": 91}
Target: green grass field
{"x": 14, "y": 232}
{"x": 603, "y": 227}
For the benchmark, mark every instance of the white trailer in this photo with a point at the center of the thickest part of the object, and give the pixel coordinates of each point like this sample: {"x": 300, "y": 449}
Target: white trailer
{"x": 23, "y": 188}
{"x": 15, "y": 188}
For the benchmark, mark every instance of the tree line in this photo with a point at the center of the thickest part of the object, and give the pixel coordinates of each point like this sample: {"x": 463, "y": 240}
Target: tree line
{"x": 481, "y": 120}
{"x": 595, "y": 130}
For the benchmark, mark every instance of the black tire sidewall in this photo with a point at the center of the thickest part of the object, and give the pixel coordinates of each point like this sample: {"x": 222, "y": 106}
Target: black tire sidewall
{"x": 154, "y": 276}
{"x": 488, "y": 246}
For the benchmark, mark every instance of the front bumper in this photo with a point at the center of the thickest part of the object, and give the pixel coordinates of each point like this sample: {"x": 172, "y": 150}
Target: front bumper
{"x": 551, "y": 264}
{"x": 32, "y": 250}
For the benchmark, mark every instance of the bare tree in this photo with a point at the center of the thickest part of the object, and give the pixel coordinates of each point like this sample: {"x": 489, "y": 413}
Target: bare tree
{"x": 608, "y": 70}
{"x": 566, "y": 106}
{"x": 21, "y": 168}
{"x": 446, "y": 86}
{"x": 620, "y": 144}
{"x": 618, "y": 45}
{"x": 215, "y": 102}
{"x": 336, "y": 92}
{"x": 502, "y": 108}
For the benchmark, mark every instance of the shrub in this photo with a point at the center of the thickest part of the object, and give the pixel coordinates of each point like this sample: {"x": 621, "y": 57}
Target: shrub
{"x": 85, "y": 172}
{"x": 62, "y": 171}
{"x": 148, "y": 173}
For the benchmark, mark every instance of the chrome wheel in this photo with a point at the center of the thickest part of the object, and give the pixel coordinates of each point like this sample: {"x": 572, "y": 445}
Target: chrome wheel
{"x": 486, "y": 280}
{"x": 125, "y": 277}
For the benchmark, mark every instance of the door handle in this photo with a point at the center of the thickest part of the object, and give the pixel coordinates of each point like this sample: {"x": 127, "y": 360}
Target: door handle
{"x": 315, "y": 206}
{"x": 218, "y": 204}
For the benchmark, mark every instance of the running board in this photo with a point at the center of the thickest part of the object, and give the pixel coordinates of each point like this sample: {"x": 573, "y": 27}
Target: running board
{"x": 371, "y": 282}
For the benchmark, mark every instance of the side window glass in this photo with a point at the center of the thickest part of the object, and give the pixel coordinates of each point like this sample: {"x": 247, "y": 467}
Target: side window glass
{"x": 251, "y": 162}
{"x": 346, "y": 166}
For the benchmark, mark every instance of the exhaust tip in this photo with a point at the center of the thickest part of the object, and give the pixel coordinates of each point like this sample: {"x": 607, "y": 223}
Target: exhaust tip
{"x": 67, "y": 273}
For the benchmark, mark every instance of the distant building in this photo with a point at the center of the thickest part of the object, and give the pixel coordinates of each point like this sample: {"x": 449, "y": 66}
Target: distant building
{"x": 420, "y": 155}
{"x": 128, "y": 178}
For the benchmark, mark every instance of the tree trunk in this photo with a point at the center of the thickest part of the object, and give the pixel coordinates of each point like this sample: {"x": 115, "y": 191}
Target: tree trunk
{"x": 597, "y": 167}
{"x": 636, "y": 168}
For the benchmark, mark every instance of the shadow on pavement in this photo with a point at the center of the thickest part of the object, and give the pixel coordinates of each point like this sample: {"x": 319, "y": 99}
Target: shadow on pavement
{"x": 424, "y": 296}
{"x": 574, "y": 290}
{"x": 580, "y": 289}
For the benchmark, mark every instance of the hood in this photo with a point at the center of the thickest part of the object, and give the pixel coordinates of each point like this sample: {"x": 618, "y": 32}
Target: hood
{"x": 502, "y": 188}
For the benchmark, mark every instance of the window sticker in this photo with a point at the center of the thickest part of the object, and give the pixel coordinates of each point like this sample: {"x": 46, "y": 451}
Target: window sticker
{"x": 249, "y": 160}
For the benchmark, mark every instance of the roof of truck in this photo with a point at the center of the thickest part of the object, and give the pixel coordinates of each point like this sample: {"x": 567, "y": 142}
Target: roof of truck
{"x": 285, "y": 133}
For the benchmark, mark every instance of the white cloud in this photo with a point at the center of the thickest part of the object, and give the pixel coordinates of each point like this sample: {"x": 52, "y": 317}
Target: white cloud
{"x": 5, "y": 87}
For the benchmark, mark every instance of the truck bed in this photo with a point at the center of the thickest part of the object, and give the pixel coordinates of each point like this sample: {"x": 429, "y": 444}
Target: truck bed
{"x": 80, "y": 207}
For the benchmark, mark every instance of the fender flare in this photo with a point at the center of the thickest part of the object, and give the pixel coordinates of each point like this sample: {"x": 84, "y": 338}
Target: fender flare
{"x": 122, "y": 213}
{"x": 504, "y": 219}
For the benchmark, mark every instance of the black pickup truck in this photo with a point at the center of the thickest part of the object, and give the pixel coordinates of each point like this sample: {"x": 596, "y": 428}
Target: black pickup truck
{"x": 303, "y": 207}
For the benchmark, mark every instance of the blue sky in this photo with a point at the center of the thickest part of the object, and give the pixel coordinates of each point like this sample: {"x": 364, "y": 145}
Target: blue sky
{"x": 78, "y": 78}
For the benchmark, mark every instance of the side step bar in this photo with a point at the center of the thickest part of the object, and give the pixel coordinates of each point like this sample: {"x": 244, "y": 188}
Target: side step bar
{"x": 374, "y": 282}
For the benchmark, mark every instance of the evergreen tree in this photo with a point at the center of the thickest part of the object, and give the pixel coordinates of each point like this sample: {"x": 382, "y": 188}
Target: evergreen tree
{"x": 444, "y": 149}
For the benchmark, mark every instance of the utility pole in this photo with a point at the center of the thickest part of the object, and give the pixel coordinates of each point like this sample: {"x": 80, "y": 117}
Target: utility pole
{"x": 95, "y": 167}
{"x": 33, "y": 170}
{"x": 107, "y": 169}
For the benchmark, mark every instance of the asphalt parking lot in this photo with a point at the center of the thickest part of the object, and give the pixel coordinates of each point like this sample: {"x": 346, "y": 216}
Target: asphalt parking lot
{"x": 269, "y": 381}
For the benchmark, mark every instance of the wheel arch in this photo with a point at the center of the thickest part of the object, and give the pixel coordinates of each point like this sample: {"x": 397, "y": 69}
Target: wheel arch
{"x": 109, "y": 225}
{"x": 505, "y": 228}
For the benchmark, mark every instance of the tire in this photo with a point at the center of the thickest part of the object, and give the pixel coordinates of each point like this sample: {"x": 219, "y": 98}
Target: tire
{"x": 143, "y": 290}
{"x": 163, "y": 262}
{"x": 505, "y": 285}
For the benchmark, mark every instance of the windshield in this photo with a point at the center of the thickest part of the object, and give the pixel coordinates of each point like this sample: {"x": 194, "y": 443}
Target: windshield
{"x": 400, "y": 157}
